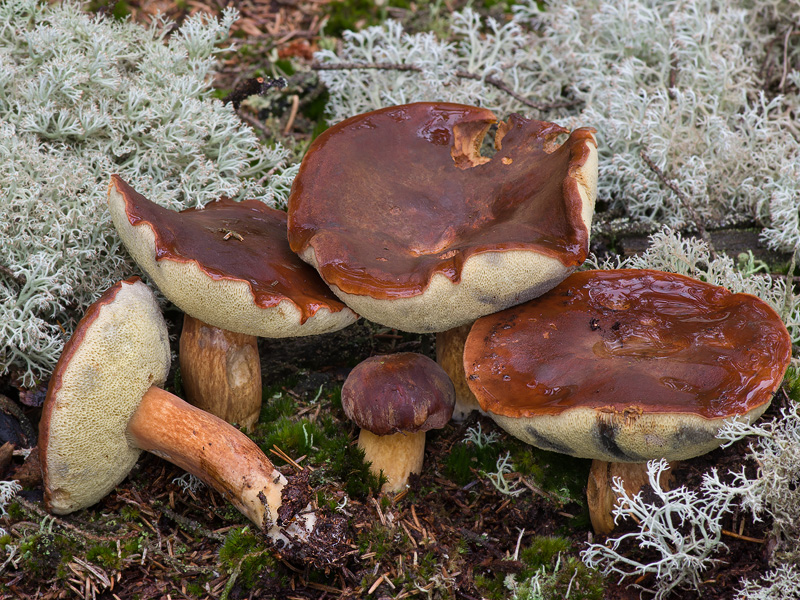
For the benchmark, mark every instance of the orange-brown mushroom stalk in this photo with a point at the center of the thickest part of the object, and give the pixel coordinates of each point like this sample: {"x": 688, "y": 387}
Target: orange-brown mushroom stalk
{"x": 450, "y": 356}
{"x": 395, "y": 399}
{"x": 626, "y": 366}
{"x": 229, "y": 267}
{"x": 104, "y": 406}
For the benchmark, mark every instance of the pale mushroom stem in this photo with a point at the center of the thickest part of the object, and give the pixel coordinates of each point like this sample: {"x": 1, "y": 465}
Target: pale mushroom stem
{"x": 397, "y": 455}
{"x": 221, "y": 371}
{"x": 450, "y": 356}
{"x": 216, "y": 453}
{"x": 602, "y": 498}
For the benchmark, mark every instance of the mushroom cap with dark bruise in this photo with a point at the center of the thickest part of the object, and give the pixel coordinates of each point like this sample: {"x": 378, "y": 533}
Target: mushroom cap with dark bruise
{"x": 641, "y": 363}
{"x": 393, "y": 393}
{"x": 386, "y": 201}
{"x": 212, "y": 261}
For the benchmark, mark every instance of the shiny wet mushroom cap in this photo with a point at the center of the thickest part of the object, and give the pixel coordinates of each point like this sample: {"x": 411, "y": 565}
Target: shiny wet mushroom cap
{"x": 229, "y": 267}
{"x": 413, "y": 228}
{"x": 227, "y": 264}
{"x": 627, "y": 365}
{"x": 395, "y": 399}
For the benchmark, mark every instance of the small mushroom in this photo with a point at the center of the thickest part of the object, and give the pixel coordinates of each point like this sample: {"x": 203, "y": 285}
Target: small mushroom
{"x": 395, "y": 399}
{"x": 625, "y": 366}
{"x": 413, "y": 229}
{"x": 229, "y": 267}
{"x": 104, "y": 406}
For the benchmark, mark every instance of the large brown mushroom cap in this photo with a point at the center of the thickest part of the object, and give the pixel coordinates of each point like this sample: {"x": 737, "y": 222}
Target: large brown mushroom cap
{"x": 414, "y": 229}
{"x": 404, "y": 392}
{"x": 228, "y": 265}
{"x": 627, "y": 365}
{"x": 118, "y": 351}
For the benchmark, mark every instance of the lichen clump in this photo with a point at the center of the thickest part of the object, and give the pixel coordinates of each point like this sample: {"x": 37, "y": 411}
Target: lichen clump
{"x": 82, "y": 97}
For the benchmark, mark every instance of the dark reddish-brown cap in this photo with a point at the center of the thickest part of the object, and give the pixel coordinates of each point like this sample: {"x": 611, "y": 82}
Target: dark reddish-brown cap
{"x": 393, "y": 393}
{"x": 228, "y": 264}
{"x": 627, "y": 365}
{"x": 414, "y": 229}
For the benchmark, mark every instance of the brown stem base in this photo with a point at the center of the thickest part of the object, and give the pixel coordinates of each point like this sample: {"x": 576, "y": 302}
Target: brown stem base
{"x": 221, "y": 372}
{"x": 602, "y": 498}
{"x": 450, "y": 356}
{"x": 216, "y": 453}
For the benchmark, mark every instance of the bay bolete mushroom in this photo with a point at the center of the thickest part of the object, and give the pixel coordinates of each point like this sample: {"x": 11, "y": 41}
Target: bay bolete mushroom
{"x": 414, "y": 229}
{"x": 624, "y": 366}
{"x": 395, "y": 399}
{"x": 229, "y": 267}
{"x": 104, "y": 406}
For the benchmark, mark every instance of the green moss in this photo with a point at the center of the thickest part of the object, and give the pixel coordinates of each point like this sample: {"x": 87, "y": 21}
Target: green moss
{"x": 550, "y": 568}
{"x": 244, "y": 553}
{"x": 791, "y": 383}
{"x": 562, "y": 476}
{"x": 44, "y": 555}
{"x": 105, "y": 555}
{"x": 466, "y": 458}
{"x": 129, "y": 513}
{"x": 356, "y": 14}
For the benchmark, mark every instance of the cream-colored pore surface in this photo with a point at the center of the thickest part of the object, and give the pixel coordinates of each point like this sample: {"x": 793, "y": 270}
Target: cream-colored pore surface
{"x": 125, "y": 350}
{"x": 224, "y": 303}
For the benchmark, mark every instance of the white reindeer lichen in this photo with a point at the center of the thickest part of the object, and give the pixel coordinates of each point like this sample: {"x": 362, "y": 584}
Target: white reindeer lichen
{"x": 676, "y": 90}
{"x": 82, "y": 97}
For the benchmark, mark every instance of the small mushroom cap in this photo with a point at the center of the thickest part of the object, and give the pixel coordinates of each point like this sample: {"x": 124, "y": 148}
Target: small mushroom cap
{"x": 627, "y": 365}
{"x": 118, "y": 351}
{"x": 414, "y": 229}
{"x": 227, "y": 264}
{"x": 393, "y": 393}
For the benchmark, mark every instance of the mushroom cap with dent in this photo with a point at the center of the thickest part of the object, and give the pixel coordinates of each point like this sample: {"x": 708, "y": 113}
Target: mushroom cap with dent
{"x": 228, "y": 264}
{"x": 393, "y": 393}
{"x": 118, "y": 351}
{"x": 414, "y": 229}
{"x": 627, "y": 365}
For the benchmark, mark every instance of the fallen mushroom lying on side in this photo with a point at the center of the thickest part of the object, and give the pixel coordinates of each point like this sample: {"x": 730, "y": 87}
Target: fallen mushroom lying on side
{"x": 624, "y": 366}
{"x": 395, "y": 399}
{"x": 104, "y": 406}
{"x": 229, "y": 267}
{"x": 414, "y": 229}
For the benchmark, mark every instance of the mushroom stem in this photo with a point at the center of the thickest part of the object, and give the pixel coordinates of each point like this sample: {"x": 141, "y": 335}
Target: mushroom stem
{"x": 602, "y": 498}
{"x": 450, "y": 356}
{"x": 221, "y": 371}
{"x": 215, "y": 452}
{"x": 397, "y": 455}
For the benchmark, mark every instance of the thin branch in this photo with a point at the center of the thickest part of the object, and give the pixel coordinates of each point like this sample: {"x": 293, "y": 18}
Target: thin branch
{"x": 785, "y": 58}
{"x": 684, "y": 200}
{"x": 493, "y": 81}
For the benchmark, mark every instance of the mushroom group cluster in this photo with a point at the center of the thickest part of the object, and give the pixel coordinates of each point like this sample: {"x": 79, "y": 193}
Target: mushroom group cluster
{"x": 398, "y": 216}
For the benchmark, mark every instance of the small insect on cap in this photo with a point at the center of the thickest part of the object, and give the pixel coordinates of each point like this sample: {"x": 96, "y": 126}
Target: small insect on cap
{"x": 627, "y": 365}
{"x": 227, "y": 264}
{"x": 414, "y": 229}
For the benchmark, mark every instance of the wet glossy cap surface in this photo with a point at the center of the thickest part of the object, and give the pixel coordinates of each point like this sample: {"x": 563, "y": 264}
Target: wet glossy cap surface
{"x": 629, "y": 342}
{"x": 242, "y": 241}
{"x": 403, "y": 392}
{"x": 389, "y": 198}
